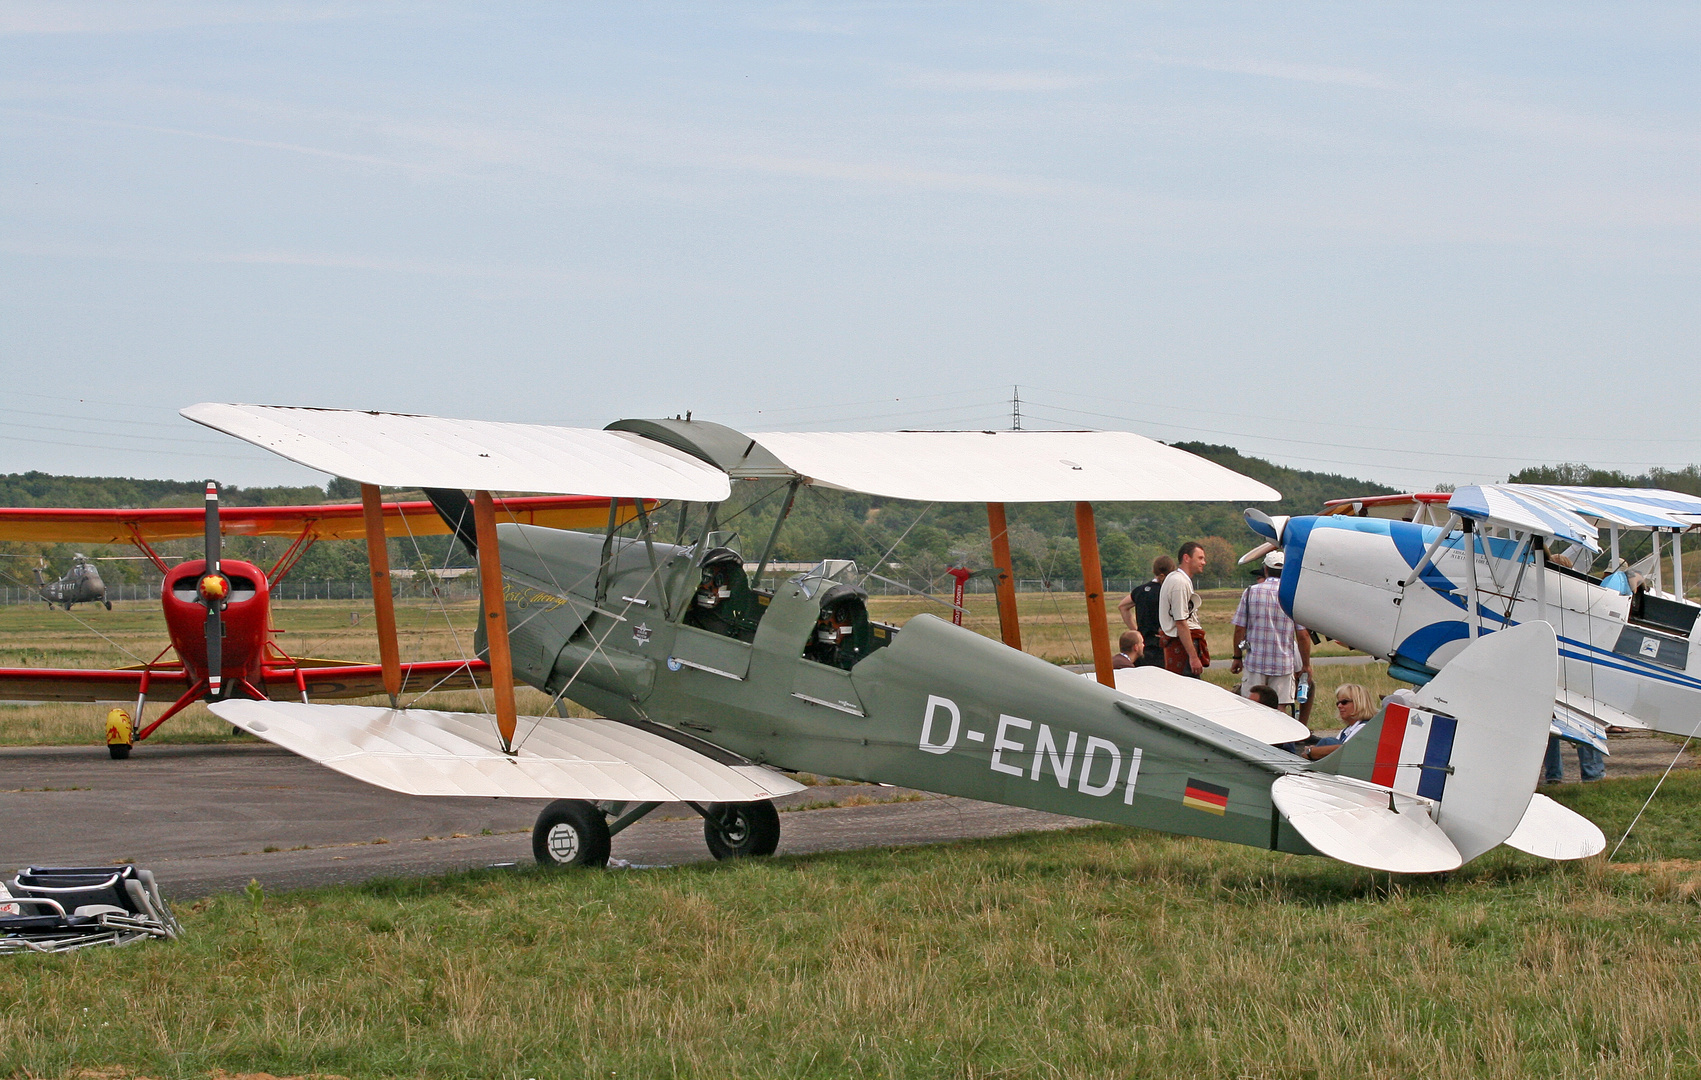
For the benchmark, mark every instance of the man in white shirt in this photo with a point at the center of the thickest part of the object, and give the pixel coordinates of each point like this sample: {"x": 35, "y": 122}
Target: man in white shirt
{"x": 1185, "y": 651}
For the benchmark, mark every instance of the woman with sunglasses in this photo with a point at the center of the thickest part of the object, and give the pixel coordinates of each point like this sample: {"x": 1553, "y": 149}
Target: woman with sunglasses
{"x": 1355, "y": 707}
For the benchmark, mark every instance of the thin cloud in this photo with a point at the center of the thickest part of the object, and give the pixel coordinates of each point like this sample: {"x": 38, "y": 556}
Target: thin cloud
{"x": 234, "y": 140}
{"x": 19, "y": 17}
{"x": 315, "y": 259}
{"x": 992, "y": 81}
{"x": 1306, "y": 73}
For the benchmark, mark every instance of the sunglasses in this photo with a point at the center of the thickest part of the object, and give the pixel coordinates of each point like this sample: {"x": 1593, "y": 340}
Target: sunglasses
{"x": 1343, "y": 701}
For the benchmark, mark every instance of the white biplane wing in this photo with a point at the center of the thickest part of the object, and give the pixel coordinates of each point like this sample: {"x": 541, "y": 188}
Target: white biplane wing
{"x": 422, "y": 752}
{"x": 1210, "y": 702}
{"x": 1631, "y": 508}
{"x": 1514, "y": 507}
{"x": 402, "y": 450}
{"x": 1010, "y": 466}
{"x": 1575, "y": 513}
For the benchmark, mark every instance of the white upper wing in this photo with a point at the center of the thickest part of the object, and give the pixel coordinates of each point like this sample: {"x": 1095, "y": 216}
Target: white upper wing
{"x": 401, "y": 450}
{"x": 1010, "y": 466}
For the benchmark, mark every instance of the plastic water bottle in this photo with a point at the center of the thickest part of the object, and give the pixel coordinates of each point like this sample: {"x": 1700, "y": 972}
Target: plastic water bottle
{"x": 1302, "y": 693}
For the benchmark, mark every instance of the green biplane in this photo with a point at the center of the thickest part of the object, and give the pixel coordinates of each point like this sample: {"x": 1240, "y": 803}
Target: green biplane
{"x": 708, "y": 690}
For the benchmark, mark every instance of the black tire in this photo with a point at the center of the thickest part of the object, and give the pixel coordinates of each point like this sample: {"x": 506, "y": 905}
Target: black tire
{"x": 735, "y": 830}
{"x": 118, "y": 750}
{"x": 108, "y": 604}
{"x": 570, "y": 832}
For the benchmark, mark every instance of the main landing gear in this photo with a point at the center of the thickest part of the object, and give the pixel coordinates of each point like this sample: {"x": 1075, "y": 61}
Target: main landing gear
{"x": 573, "y": 832}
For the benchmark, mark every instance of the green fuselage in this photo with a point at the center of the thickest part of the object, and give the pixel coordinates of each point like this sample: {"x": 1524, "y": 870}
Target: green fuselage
{"x": 931, "y": 706}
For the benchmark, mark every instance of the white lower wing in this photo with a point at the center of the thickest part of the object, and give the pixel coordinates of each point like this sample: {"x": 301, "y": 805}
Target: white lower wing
{"x": 1212, "y": 702}
{"x": 422, "y": 752}
{"x": 1364, "y": 824}
{"x": 1553, "y": 831}
{"x": 1598, "y": 711}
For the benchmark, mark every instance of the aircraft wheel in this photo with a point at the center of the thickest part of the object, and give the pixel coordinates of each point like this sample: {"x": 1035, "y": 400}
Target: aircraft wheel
{"x": 734, "y": 830}
{"x": 108, "y": 604}
{"x": 570, "y": 832}
{"x": 118, "y": 750}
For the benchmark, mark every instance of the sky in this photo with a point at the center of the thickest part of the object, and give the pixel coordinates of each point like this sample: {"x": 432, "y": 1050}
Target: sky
{"x": 1413, "y": 243}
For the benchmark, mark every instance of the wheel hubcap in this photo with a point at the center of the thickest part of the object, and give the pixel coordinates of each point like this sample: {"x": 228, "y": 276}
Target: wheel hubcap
{"x": 563, "y": 842}
{"x": 735, "y": 829}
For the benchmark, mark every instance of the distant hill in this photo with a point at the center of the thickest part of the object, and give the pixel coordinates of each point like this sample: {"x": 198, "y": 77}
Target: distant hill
{"x": 45, "y": 489}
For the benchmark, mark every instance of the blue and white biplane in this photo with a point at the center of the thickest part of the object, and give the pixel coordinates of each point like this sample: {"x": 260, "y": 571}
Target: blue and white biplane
{"x": 1413, "y": 579}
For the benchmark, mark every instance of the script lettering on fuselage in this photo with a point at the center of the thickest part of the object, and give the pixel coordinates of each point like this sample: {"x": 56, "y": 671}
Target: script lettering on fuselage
{"x": 1096, "y": 770}
{"x": 525, "y": 597}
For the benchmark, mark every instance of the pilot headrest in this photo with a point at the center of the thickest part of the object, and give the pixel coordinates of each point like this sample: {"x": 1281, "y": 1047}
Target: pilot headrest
{"x": 843, "y": 593}
{"x": 722, "y": 556}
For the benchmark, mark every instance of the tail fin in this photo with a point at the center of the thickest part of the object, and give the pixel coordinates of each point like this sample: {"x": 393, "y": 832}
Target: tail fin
{"x": 1472, "y": 739}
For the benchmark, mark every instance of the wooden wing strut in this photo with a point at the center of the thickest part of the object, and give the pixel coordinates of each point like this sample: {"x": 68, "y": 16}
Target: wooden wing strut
{"x": 383, "y": 604}
{"x": 495, "y": 617}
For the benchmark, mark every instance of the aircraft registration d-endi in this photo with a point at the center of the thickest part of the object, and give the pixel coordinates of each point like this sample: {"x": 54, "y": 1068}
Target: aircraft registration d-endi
{"x": 706, "y": 688}
{"x": 1414, "y": 579}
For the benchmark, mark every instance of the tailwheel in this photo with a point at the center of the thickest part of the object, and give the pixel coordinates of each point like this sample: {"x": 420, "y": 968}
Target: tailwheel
{"x": 571, "y": 832}
{"x": 118, "y": 750}
{"x": 734, "y": 830}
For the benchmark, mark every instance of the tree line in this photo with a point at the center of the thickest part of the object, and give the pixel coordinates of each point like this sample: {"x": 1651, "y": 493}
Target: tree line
{"x": 922, "y": 539}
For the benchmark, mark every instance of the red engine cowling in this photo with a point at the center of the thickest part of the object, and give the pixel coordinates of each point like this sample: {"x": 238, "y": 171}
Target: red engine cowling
{"x": 247, "y": 619}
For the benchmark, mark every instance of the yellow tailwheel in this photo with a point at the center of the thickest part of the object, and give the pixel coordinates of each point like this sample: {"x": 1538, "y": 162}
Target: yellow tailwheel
{"x": 119, "y": 733}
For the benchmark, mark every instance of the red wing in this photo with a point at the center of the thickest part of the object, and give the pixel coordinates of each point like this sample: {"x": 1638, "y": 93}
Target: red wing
{"x": 50, "y": 524}
{"x": 323, "y": 681}
{"x": 365, "y": 680}
{"x": 73, "y": 684}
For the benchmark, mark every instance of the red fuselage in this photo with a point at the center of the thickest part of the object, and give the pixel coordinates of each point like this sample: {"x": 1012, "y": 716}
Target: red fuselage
{"x": 247, "y": 620}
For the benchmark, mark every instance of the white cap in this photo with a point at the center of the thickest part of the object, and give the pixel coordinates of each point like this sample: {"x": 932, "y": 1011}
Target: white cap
{"x": 1273, "y": 561}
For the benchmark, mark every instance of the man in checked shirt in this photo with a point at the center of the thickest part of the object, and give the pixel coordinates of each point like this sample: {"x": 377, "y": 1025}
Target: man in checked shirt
{"x": 1269, "y": 647}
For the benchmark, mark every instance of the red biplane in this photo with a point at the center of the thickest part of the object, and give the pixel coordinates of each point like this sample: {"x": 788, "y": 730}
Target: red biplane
{"x": 226, "y": 603}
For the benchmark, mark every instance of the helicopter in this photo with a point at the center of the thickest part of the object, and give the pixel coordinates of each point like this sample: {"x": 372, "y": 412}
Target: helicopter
{"x": 708, "y": 690}
{"x": 81, "y": 584}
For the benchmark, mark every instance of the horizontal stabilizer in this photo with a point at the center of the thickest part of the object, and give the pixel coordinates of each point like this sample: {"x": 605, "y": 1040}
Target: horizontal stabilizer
{"x": 1211, "y": 702}
{"x": 1366, "y": 825}
{"x": 1552, "y": 831}
{"x": 422, "y": 752}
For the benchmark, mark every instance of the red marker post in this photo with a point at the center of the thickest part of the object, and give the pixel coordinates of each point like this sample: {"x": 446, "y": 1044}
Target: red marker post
{"x": 962, "y": 574}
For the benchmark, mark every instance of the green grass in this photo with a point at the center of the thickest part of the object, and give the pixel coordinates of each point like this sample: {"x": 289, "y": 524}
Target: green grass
{"x": 1099, "y": 952}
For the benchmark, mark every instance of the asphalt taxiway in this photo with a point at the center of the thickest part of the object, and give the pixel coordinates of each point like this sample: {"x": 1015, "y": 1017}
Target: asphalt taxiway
{"x": 211, "y": 818}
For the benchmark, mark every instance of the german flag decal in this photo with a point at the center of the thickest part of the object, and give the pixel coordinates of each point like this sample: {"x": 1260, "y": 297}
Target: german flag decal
{"x": 1211, "y": 798}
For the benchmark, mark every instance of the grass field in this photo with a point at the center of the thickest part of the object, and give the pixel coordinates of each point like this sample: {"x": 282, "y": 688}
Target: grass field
{"x": 1054, "y": 626}
{"x": 1097, "y": 952}
{"x": 1101, "y": 952}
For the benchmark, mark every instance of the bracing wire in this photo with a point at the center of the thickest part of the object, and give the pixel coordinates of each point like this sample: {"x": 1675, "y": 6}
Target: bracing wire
{"x": 1674, "y": 760}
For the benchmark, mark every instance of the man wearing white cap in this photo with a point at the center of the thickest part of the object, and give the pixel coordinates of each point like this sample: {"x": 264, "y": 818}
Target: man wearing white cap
{"x": 1269, "y": 647}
